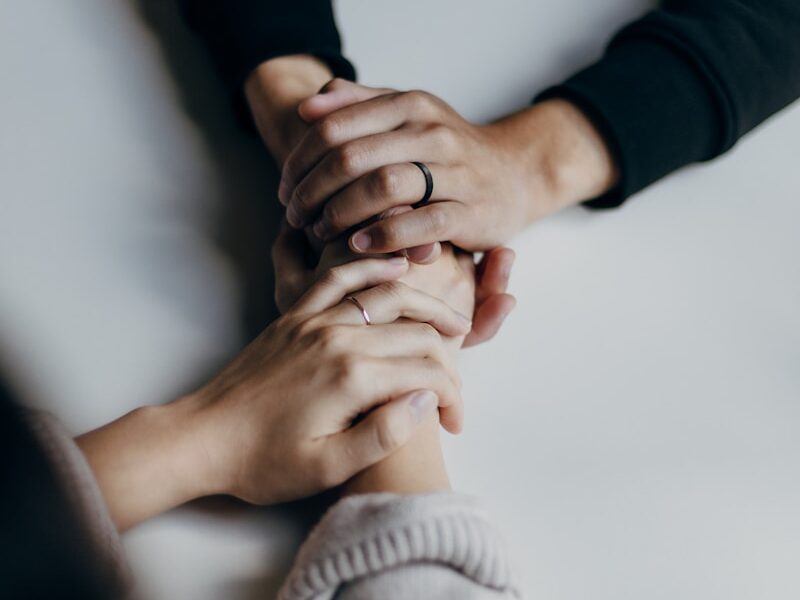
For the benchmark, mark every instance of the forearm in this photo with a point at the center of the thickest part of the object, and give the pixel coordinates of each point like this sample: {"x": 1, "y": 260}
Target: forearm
{"x": 149, "y": 461}
{"x": 273, "y": 91}
{"x": 560, "y": 156}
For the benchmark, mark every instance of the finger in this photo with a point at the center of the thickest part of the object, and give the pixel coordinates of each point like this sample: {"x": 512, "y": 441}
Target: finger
{"x": 488, "y": 318}
{"x": 379, "y": 114}
{"x": 383, "y": 431}
{"x": 349, "y": 161}
{"x": 387, "y": 378}
{"x": 404, "y": 339}
{"x": 494, "y": 273}
{"x": 288, "y": 262}
{"x": 379, "y": 190}
{"x": 336, "y": 94}
{"x": 435, "y": 222}
{"x": 425, "y": 254}
{"x": 387, "y": 302}
{"x": 338, "y": 282}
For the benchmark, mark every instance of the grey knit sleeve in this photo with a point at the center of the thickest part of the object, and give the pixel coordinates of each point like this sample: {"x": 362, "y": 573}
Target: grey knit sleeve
{"x": 86, "y": 501}
{"x": 387, "y": 546}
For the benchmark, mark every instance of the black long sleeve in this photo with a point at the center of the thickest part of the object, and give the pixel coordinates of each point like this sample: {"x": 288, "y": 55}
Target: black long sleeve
{"x": 244, "y": 33}
{"x": 680, "y": 85}
{"x": 686, "y": 81}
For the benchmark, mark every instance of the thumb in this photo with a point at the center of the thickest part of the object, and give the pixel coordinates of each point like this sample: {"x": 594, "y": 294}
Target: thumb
{"x": 385, "y": 429}
{"x": 334, "y": 95}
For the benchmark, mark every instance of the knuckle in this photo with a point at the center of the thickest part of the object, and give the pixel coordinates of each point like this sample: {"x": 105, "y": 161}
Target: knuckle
{"x": 328, "y": 131}
{"x": 420, "y": 101}
{"x": 333, "y": 277}
{"x": 329, "y": 338}
{"x": 306, "y": 328}
{"x": 438, "y": 222}
{"x": 444, "y": 137}
{"x": 388, "y": 234}
{"x": 348, "y": 370}
{"x": 394, "y": 290}
{"x": 335, "y": 215}
{"x": 386, "y": 182}
{"x": 347, "y": 159}
{"x": 301, "y": 195}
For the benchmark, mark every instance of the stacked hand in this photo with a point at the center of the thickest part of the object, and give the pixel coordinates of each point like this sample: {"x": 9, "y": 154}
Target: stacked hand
{"x": 274, "y": 91}
{"x": 490, "y": 181}
{"x": 316, "y": 398}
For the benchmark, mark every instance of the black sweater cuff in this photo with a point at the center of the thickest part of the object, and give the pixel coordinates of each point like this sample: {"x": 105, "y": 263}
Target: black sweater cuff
{"x": 653, "y": 107}
{"x": 241, "y": 34}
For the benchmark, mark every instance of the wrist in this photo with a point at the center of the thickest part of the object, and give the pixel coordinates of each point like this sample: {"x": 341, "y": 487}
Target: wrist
{"x": 274, "y": 89}
{"x": 561, "y": 157}
{"x": 148, "y": 461}
{"x": 416, "y": 468}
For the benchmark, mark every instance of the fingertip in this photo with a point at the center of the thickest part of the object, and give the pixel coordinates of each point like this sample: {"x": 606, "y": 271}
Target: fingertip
{"x": 421, "y": 404}
{"x": 360, "y": 242}
{"x": 452, "y": 420}
{"x": 424, "y": 255}
{"x": 312, "y": 108}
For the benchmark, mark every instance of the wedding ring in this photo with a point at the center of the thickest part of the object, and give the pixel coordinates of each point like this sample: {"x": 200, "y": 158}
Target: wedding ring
{"x": 361, "y": 309}
{"x": 428, "y": 183}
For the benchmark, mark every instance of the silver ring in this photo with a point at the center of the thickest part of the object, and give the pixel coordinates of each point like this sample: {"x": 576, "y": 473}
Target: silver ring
{"x": 361, "y": 309}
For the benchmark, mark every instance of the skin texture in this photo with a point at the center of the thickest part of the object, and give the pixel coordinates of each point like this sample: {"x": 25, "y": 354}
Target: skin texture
{"x": 490, "y": 181}
{"x": 418, "y": 466}
{"x": 312, "y": 401}
{"x": 275, "y": 92}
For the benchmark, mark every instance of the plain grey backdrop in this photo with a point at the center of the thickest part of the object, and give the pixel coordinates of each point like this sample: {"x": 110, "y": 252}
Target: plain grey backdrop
{"x": 634, "y": 428}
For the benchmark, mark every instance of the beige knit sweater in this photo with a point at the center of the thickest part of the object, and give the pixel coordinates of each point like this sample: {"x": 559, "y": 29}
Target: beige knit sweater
{"x": 373, "y": 546}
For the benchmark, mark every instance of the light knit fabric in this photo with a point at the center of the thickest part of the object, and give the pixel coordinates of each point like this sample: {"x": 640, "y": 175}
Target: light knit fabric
{"x": 394, "y": 547}
{"x": 78, "y": 482}
{"x": 369, "y": 547}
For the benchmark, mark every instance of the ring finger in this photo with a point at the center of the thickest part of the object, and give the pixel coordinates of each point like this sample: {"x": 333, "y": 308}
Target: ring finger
{"x": 390, "y": 301}
{"x": 350, "y": 161}
{"x": 386, "y": 187}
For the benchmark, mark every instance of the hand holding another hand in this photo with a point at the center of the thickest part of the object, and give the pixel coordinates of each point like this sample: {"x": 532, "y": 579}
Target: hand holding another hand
{"x": 490, "y": 181}
{"x": 316, "y": 398}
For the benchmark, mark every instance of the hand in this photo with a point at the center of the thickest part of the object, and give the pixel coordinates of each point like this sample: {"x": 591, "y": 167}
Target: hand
{"x": 490, "y": 181}
{"x": 275, "y": 89}
{"x": 293, "y": 276}
{"x": 282, "y": 420}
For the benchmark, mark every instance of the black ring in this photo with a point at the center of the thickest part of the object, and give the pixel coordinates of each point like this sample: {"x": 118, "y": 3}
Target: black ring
{"x": 428, "y": 183}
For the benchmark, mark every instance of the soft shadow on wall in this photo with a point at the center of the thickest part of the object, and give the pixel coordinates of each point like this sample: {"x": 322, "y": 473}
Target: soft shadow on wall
{"x": 250, "y": 214}
{"x": 245, "y": 228}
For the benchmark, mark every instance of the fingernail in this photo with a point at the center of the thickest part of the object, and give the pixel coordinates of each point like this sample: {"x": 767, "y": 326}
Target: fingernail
{"x": 422, "y": 404}
{"x": 321, "y": 229}
{"x": 506, "y": 272}
{"x": 398, "y": 260}
{"x": 283, "y": 192}
{"x": 361, "y": 241}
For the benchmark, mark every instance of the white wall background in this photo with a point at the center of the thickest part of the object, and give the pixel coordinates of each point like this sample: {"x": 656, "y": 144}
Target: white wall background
{"x": 634, "y": 428}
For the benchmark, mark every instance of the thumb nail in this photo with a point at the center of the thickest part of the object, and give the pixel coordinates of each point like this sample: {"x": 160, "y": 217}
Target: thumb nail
{"x": 422, "y": 404}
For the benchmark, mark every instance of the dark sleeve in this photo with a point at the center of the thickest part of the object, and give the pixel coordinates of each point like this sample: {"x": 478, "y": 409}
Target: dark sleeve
{"x": 241, "y": 34}
{"x": 685, "y": 82}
